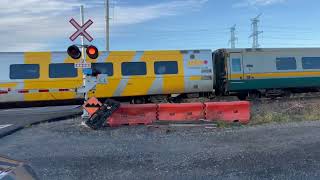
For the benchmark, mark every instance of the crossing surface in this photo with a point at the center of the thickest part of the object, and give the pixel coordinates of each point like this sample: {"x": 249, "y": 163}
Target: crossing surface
{"x": 15, "y": 119}
{"x": 66, "y": 150}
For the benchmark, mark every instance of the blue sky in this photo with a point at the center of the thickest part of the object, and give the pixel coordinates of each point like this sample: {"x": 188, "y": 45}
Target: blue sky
{"x": 42, "y": 25}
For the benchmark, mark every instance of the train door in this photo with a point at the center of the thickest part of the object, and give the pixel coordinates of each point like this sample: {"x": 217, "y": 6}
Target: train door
{"x": 236, "y": 70}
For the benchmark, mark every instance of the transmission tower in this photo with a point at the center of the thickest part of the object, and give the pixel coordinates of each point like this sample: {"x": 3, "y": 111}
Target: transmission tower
{"x": 255, "y": 32}
{"x": 233, "y": 37}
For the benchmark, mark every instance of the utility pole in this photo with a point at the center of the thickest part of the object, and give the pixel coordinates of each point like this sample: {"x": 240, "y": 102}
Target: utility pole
{"x": 84, "y": 78}
{"x": 255, "y": 32}
{"x": 107, "y": 6}
{"x": 82, "y": 38}
{"x": 233, "y": 37}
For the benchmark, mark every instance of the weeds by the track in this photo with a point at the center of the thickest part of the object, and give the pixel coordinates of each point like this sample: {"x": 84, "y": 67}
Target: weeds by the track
{"x": 282, "y": 111}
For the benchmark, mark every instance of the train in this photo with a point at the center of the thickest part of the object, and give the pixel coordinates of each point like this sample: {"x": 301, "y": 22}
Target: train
{"x": 157, "y": 76}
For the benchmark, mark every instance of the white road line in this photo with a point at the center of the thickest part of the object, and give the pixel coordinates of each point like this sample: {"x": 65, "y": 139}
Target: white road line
{"x": 5, "y": 126}
{"x": 48, "y": 108}
{"x": 3, "y": 173}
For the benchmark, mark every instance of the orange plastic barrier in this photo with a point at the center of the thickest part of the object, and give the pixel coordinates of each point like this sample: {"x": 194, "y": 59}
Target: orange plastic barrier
{"x": 129, "y": 114}
{"x": 92, "y": 105}
{"x": 228, "y": 111}
{"x": 181, "y": 112}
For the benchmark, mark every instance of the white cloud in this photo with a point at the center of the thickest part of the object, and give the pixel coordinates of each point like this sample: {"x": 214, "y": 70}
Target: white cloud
{"x": 36, "y": 24}
{"x": 36, "y": 6}
{"x": 255, "y": 3}
{"x": 27, "y": 46}
{"x": 137, "y": 14}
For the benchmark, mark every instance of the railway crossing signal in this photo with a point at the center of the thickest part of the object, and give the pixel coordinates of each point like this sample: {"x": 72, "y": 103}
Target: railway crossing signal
{"x": 74, "y": 52}
{"x": 81, "y": 30}
{"x": 89, "y": 81}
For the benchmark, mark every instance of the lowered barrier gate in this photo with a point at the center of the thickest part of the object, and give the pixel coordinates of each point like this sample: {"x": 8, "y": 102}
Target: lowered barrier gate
{"x": 98, "y": 118}
{"x": 114, "y": 114}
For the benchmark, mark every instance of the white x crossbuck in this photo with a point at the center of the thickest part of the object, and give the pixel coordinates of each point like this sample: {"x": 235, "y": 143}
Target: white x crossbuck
{"x": 81, "y": 30}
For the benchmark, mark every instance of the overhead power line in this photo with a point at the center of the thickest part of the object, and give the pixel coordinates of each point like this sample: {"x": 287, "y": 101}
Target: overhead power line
{"x": 255, "y": 32}
{"x": 233, "y": 37}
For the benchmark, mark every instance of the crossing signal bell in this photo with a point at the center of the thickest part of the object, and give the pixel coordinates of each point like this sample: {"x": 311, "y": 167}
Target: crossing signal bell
{"x": 74, "y": 52}
{"x": 92, "y": 52}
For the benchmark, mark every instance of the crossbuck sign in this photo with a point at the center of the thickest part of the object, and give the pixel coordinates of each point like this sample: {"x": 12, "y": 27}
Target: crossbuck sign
{"x": 81, "y": 30}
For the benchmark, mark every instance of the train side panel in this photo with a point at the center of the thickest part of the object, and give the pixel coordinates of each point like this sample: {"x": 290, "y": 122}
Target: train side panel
{"x": 273, "y": 69}
{"x": 155, "y": 72}
{"x": 5, "y": 82}
{"x": 45, "y": 81}
{"x": 194, "y": 74}
{"x": 199, "y": 71}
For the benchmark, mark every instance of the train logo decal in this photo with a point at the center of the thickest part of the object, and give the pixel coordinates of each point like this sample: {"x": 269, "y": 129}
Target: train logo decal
{"x": 193, "y": 63}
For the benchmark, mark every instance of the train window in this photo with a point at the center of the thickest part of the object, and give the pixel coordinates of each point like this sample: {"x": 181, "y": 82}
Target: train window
{"x": 236, "y": 65}
{"x": 286, "y": 63}
{"x": 311, "y": 62}
{"x": 166, "y": 67}
{"x": 134, "y": 68}
{"x": 24, "y": 71}
{"x": 102, "y": 68}
{"x": 62, "y": 70}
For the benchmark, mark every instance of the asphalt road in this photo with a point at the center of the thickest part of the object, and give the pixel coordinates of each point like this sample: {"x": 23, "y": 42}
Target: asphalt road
{"x": 66, "y": 150}
{"x": 15, "y": 119}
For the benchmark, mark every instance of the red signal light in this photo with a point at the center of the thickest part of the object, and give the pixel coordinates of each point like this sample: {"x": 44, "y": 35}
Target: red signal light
{"x": 92, "y": 52}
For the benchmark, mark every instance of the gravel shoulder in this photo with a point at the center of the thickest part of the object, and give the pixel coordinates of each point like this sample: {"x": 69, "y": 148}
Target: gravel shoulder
{"x": 65, "y": 150}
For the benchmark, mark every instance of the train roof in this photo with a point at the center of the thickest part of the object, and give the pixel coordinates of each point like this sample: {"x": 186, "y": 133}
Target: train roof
{"x": 243, "y": 50}
{"x": 170, "y": 50}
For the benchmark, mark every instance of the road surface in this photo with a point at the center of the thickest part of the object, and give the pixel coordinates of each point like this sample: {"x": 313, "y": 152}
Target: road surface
{"x": 66, "y": 150}
{"x": 15, "y": 119}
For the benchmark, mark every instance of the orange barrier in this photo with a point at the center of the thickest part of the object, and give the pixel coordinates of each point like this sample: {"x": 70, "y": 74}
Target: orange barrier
{"x": 129, "y": 114}
{"x": 92, "y": 105}
{"x": 181, "y": 112}
{"x": 228, "y": 111}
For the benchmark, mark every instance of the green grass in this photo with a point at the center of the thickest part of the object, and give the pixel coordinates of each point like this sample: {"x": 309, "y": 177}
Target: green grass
{"x": 276, "y": 113}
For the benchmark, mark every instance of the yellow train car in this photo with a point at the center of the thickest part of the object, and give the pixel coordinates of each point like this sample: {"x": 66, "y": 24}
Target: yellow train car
{"x": 49, "y": 76}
